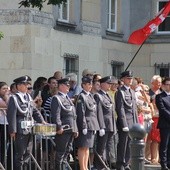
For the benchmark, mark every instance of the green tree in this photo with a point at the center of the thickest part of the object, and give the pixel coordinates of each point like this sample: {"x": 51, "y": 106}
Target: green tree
{"x": 1, "y": 35}
{"x": 39, "y": 3}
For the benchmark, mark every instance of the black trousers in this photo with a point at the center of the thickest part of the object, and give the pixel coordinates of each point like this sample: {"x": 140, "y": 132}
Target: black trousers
{"x": 100, "y": 148}
{"x": 63, "y": 148}
{"x": 164, "y": 148}
{"x": 123, "y": 149}
{"x": 23, "y": 147}
{"x": 3, "y": 142}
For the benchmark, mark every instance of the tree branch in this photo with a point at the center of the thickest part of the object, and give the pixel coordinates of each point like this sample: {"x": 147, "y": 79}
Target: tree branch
{"x": 39, "y": 3}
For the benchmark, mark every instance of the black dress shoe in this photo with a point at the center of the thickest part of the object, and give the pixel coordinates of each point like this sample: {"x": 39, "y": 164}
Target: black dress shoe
{"x": 165, "y": 168}
{"x": 127, "y": 167}
{"x": 120, "y": 168}
{"x": 113, "y": 165}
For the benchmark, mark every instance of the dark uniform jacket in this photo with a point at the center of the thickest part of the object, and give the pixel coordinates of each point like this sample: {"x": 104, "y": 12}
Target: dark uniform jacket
{"x": 86, "y": 112}
{"x": 163, "y": 105}
{"x": 105, "y": 111}
{"x": 15, "y": 116}
{"x": 126, "y": 107}
{"x": 63, "y": 112}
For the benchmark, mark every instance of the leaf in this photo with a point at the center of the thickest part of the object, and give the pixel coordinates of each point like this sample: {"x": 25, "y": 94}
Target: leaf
{"x": 1, "y": 35}
{"x": 39, "y": 3}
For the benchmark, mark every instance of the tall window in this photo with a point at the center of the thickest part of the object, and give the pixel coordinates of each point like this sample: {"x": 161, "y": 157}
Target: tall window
{"x": 117, "y": 68}
{"x": 112, "y": 15}
{"x": 162, "y": 69}
{"x": 165, "y": 26}
{"x": 64, "y": 11}
{"x": 71, "y": 63}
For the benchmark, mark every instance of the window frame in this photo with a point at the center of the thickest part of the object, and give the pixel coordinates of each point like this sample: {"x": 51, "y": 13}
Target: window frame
{"x": 109, "y": 15}
{"x": 75, "y": 57}
{"x": 60, "y": 12}
{"x": 158, "y": 68}
{"x": 119, "y": 67}
{"x": 157, "y": 30}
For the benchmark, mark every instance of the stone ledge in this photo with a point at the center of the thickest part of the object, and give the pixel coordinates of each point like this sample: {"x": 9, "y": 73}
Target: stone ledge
{"x": 25, "y": 16}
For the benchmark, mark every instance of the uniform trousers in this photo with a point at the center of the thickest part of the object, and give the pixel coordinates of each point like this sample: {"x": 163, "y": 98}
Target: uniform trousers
{"x": 164, "y": 148}
{"x": 123, "y": 149}
{"x": 100, "y": 148}
{"x": 23, "y": 147}
{"x": 63, "y": 148}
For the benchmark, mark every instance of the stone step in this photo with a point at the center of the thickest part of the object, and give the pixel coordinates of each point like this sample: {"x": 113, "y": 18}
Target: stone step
{"x": 152, "y": 167}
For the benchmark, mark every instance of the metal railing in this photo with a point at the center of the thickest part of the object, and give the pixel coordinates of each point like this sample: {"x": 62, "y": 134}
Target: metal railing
{"x": 43, "y": 153}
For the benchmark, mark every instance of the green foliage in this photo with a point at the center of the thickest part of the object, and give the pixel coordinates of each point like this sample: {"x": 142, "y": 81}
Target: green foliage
{"x": 1, "y": 35}
{"x": 39, "y": 3}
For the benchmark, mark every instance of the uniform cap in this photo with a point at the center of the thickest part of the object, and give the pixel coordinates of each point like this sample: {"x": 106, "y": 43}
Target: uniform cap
{"x": 86, "y": 79}
{"x": 23, "y": 79}
{"x": 64, "y": 81}
{"x": 127, "y": 74}
{"x": 107, "y": 79}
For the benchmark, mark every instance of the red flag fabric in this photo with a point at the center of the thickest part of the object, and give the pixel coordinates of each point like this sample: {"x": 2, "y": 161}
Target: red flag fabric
{"x": 139, "y": 36}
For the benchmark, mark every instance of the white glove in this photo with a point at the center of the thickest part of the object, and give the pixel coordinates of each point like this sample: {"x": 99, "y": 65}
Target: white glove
{"x": 101, "y": 132}
{"x": 125, "y": 129}
{"x": 84, "y": 131}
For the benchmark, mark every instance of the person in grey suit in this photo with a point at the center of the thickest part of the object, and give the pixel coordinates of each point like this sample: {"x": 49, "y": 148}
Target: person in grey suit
{"x": 106, "y": 119}
{"x": 163, "y": 105}
{"x": 64, "y": 116}
{"x": 86, "y": 121}
{"x": 21, "y": 113}
{"x": 126, "y": 116}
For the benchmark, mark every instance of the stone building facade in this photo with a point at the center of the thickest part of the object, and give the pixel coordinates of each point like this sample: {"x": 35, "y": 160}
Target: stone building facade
{"x": 81, "y": 34}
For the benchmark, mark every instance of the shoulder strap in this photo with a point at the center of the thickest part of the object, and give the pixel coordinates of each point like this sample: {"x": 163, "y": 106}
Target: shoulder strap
{"x": 61, "y": 104}
{"x": 123, "y": 95}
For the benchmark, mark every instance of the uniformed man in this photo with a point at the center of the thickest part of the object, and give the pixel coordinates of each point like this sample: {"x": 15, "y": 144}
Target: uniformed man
{"x": 106, "y": 119}
{"x": 127, "y": 115}
{"x": 86, "y": 121}
{"x": 64, "y": 116}
{"x": 21, "y": 114}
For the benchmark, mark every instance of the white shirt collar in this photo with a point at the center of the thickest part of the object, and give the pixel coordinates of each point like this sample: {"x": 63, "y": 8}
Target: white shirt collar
{"x": 104, "y": 91}
{"x": 168, "y": 93}
{"x": 127, "y": 87}
{"x": 63, "y": 94}
{"x": 21, "y": 95}
{"x": 86, "y": 92}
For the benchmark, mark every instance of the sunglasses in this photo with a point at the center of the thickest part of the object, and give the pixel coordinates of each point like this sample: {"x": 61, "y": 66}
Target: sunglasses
{"x": 29, "y": 88}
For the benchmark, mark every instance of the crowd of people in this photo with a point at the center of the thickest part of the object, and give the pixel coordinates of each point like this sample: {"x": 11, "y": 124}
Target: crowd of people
{"x": 95, "y": 117}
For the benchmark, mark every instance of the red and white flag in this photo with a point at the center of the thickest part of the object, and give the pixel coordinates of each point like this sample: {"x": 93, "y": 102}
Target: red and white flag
{"x": 139, "y": 36}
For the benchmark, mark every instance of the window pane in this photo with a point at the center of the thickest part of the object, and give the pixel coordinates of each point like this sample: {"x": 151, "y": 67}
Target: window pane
{"x": 113, "y": 7}
{"x": 165, "y": 26}
{"x": 107, "y": 20}
{"x": 64, "y": 11}
{"x": 164, "y": 72}
{"x": 67, "y": 65}
{"x": 111, "y": 15}
{"x": 71, "y": 64}
{"x": 112, "y": 21}
{"x": 117, "y": 68}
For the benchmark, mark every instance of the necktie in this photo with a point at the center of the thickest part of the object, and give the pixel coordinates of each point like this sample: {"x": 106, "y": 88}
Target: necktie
{"x": 108, "y": 96}
{"x": 25, "y": 97}
{"x": 67, "y": 98}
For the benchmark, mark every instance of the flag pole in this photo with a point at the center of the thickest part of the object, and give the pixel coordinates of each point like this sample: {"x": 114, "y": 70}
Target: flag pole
{"x": 135, "y": 55}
